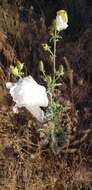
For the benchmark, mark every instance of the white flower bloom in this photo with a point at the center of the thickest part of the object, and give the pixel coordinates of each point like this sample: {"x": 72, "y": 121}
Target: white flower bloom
{"x": 61, "y": 20}
{"x": 29, "y": 94}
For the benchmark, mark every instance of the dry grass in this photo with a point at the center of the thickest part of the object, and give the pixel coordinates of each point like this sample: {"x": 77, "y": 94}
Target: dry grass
{"x": 24, "y": 163}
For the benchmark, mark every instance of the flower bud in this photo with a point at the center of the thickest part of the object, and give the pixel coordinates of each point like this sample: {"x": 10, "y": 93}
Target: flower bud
{"x": 61, "y": 20}
{"x": 19, "y": 65}
{"x": 61, "y": 70}
{"x": 14, "y": 71}
{"x": 45, "y": 47}
{"x": 41, "y": 66}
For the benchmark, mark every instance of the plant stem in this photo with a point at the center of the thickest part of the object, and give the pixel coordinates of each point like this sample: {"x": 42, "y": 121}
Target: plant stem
{"x": 51, "y": 52}
{"x": 54, "y": 56}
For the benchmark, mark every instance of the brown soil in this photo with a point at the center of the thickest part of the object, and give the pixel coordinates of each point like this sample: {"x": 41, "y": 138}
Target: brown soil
{"x": 25, "y": 164}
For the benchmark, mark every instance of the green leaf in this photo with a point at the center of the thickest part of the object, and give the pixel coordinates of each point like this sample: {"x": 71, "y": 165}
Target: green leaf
{"x": 52, "y": 27}
{"x": 49, "y": 79}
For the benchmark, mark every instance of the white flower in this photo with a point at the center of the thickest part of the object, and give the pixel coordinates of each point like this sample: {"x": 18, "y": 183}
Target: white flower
{"x": 60, "y": 24}
{"x": 61, "y": 20}
{"x": 29, "y": 94}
